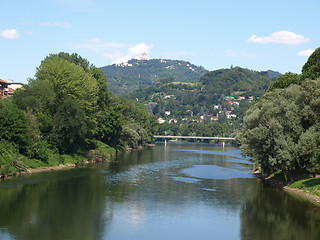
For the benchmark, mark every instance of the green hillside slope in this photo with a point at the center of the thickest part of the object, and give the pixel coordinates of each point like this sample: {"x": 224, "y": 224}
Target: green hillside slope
{"x": 218, "y": 94}
{"x": 127, "y": 77}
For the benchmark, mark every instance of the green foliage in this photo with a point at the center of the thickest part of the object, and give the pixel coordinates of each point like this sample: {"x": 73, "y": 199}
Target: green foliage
{"x": 214, "y": 129}
{"x": 285, "y": 81}
{"x": 13, "y": 124}
{"x": 39, "y": 150}
{"x": 142, "y": 74}
{"x": 32, "y": 163}
{"x": 311, "y": 69}
{"x": 110, "y": 125}
{"x": 230, "y": 81}
{"x": 63, "y": 99}
{"x": 130, "y": 135}
{"x": 69, "y": 80}
{"x": 71, "y": 129}
{"x": 281, "y": 129}
{"x": 8, "y": 156}
{"x": 311, "y": 185}
{"x": 139, "y": 126}
{"x": 105, "y": 149}
{"x": 190, "y": 101}
{"x": 58, "y": 117}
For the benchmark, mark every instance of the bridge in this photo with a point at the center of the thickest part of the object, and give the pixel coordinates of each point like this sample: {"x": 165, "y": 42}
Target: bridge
{"x": 194, "y": 137}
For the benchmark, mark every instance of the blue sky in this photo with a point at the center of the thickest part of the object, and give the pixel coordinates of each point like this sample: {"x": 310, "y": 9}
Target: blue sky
{"x": 259, "y": 35}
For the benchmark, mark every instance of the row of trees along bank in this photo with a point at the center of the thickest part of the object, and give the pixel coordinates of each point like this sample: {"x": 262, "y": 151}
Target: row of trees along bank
{"x": 65, "y": 114}
{"x": 282, "y": 129}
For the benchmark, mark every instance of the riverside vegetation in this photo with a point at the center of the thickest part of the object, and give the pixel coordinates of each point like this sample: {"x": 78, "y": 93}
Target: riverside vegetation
{"x": 66, "y": 114}
{"x": 282, "y": 129}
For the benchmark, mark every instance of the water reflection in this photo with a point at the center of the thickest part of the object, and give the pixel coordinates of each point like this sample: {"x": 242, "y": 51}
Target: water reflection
{"x": 180, "y": 191}
{"x": 278, "y": 215}
{"x": 57, "y": 205}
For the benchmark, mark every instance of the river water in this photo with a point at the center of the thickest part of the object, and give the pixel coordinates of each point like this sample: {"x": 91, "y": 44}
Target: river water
{"x": 178, "y": 191}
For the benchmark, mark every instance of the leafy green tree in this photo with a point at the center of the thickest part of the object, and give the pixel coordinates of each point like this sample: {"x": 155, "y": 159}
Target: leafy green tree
{"x": 69, "y": 80}
{"x": 311, "y": 69}
{"x": 61, "y": 88}
{"x": 133, "y": 135}
{"x": 110, "y": 124}
{"x": 282, "y": 128}
{"x": 71, "y": 128}
{"x": 272, "y": 129}
{"x": 285, "y": 81}
{"x": 38, "y": 97}
{"x": 133, "y": 111}
{"x": 9, "y": 154}
{"x": 13, "y": 125}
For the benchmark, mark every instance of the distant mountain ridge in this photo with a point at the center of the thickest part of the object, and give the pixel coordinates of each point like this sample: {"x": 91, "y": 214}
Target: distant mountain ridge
{"x": 127, "y": 77}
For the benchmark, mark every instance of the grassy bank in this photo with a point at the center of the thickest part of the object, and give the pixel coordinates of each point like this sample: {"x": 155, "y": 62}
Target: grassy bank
{"x": 301, "y": 185}
{"x": 19, "y": 164}
{"x": 311, "y": 185}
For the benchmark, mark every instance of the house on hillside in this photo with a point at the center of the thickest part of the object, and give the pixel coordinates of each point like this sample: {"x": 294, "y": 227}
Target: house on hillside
{"x": 7, "y": 88}
{"x": 168, "y": 96}
{"x": 189, "y": 113}
{"x": 173, "y": 121}
{"x": 3, "y": 88}
{"x": 214, "y": 118}
{"x": 161, "y": 120}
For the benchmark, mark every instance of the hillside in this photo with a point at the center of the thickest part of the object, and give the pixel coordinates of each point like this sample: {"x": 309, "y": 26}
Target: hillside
{"x": 220, "y": 94}
{"x": 127, "y": 77}
{"x": 236, "y": 81}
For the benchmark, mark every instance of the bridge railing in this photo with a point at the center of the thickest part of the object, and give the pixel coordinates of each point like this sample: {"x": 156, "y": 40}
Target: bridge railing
{"x": 194, "y": 137}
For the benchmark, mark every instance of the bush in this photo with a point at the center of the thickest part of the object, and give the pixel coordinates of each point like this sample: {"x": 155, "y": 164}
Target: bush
{"x": 101, "y": 152}
{"x": 40, "y": 150}
{"x": 8, "y": 157}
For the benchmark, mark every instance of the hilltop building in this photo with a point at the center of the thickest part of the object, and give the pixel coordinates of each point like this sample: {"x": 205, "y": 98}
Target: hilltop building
{"x": 144, "y": 56}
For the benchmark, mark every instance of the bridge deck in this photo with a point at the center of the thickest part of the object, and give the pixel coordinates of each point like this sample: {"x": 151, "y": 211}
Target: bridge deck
{"x": 195, "y": 137}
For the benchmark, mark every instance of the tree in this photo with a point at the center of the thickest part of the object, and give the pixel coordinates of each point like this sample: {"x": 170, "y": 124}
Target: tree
{"x": 38, "y": 97}
{"x": 71, "y": 128}
{"x": 110, "y": 124}
{"x": 285, "y": 81}
{"x": 311, "y": 69}
{"x": 272, "y": 129}
{"x": 282, "y": 129}
{"x": 13, "y": 125}
{"x": 64, "y": 98}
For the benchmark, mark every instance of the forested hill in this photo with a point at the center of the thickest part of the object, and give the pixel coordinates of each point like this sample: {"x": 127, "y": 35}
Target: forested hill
{"x": 213, "y": 85}
{"x": 237, "y": 81}
{"x": 219, "y": 94}
{"x": 127, "y": 77}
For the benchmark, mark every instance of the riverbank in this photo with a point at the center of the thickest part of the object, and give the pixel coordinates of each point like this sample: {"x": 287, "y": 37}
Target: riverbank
{"x": 101, "y": 154}
{"x": 297, "y": 192}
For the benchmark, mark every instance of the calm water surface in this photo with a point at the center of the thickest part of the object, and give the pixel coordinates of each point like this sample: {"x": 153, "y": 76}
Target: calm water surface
{"x": 179, "y": 191}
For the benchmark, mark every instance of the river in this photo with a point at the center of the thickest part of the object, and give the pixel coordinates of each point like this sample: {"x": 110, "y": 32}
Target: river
{"x": 174, "y": 191}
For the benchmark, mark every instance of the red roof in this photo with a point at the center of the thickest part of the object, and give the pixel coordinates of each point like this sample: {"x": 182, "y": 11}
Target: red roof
{"x": 2, "y": 81}
{"x": 11, "y": 90}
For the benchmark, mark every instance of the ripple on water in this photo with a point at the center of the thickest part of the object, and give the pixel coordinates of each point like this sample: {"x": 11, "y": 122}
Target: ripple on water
{"x": 186, "y": 179}
{"x": 215, "y": 172}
